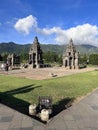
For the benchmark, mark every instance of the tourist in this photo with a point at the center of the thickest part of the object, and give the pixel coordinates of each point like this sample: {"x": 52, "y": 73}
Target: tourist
{"x": 6, "y": 67}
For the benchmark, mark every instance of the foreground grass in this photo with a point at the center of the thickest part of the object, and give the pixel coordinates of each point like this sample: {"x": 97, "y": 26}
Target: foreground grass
{"x": 22, "y": 92}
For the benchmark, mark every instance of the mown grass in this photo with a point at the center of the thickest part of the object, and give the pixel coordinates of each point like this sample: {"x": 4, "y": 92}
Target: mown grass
{"x": 22, "y": 92}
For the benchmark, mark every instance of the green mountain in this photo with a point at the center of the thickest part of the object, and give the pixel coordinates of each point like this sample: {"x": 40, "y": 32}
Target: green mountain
{"x": 12, "y": 47}
{"x": 86, "y": 49}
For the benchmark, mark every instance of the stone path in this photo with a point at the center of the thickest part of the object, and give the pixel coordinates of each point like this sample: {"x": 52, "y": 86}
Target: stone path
{"x": 81, "y": 116}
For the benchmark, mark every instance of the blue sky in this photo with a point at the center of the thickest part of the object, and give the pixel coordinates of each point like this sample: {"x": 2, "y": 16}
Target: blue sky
{"x": 53, "y": 21}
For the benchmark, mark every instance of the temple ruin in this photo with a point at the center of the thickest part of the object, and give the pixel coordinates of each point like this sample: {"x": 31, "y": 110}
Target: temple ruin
{"x": 35, "y": 54}
{"x": 13, "y": 60}
{"x": 71, "y": 57}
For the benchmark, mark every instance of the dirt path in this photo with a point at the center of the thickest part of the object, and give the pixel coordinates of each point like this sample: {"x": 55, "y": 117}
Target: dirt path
{"x": 44, "y": 73}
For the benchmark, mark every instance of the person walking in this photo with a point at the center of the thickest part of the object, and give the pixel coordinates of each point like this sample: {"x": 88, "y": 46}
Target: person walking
{"x": 6, "y": 67}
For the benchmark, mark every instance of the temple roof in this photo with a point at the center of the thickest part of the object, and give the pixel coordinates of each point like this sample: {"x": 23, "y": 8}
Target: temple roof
{"x": 35, "y": 46}
{"x": 71, "y": 42}
{"x": 70, "y": 46}
{"x": 36, "y": 39}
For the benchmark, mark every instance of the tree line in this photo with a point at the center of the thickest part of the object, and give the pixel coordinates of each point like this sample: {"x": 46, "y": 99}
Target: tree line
{"x": 54, "y": 58}
{"x": 89, "y": 59}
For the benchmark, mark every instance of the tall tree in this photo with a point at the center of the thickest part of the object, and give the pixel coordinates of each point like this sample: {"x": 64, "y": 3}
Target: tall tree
{"x": 93, "y": 59}
{"x": 4, "y": 56}
{"x": 24, "y": 57}
{"x": 51, "y": 57}
{"x": 83, "y": 59}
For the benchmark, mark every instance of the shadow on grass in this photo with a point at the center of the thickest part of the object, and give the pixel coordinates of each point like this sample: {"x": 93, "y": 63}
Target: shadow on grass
{"x": 7, "y": 98}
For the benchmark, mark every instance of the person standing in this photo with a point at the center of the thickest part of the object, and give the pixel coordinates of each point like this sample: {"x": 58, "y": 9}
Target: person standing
{"x": 6, "y": 67}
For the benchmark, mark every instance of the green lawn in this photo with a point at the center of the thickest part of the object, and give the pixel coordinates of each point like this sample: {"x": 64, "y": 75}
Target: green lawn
{"x": 20, "y": 92}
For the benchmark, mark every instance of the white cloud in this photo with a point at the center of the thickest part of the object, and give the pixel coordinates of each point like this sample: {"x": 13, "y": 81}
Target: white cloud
{"x": 25, "y": 24}
{"x": 48, "y": 31}
{"x": 81, "y": 34}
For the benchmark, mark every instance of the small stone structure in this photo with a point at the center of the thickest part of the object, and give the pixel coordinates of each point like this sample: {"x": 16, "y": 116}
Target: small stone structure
{"x": 32, "y": 109}
{"x": 71, "y": 57}
{"x": 35, "y": 54}
{"x": 45, "y": 102}
{"x": 44, "y": 108}
{"x": 44, "y": 115}
{"x": 13, "y": 60}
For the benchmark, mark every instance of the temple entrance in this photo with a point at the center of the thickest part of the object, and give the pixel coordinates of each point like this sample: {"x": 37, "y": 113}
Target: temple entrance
{"x": 66, "y": 63}
{"x": 70, "y": 63}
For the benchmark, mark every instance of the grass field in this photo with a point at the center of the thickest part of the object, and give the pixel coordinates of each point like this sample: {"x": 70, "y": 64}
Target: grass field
{"x": 18, "y": 93}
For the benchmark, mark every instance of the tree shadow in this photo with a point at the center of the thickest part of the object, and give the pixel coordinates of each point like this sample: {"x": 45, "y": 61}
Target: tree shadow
{"x": 62, "y": 105}
{"x": 24, "y": 89}
{"x": 7, "y": 98}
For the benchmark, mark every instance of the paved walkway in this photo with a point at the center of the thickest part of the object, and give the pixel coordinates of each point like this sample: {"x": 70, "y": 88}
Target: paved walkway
{"x": 81, "y": 116}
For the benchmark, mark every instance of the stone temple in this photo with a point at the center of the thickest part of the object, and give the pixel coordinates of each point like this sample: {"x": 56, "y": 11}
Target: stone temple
{"x": 71, "y": 57}
{"x": 35, "y": 54}
{"x": 13, "y": 60}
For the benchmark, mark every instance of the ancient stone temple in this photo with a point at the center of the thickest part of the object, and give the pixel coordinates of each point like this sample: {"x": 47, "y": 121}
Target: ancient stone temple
{"x": 13, "y": 60}
{"x": 71, "y": 56}
{"x": 35, "y": 54}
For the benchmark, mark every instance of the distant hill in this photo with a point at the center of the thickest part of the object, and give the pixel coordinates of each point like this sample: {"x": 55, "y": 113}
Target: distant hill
{"x": 86, "y": 49}
{"x": 12, "y": 47}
